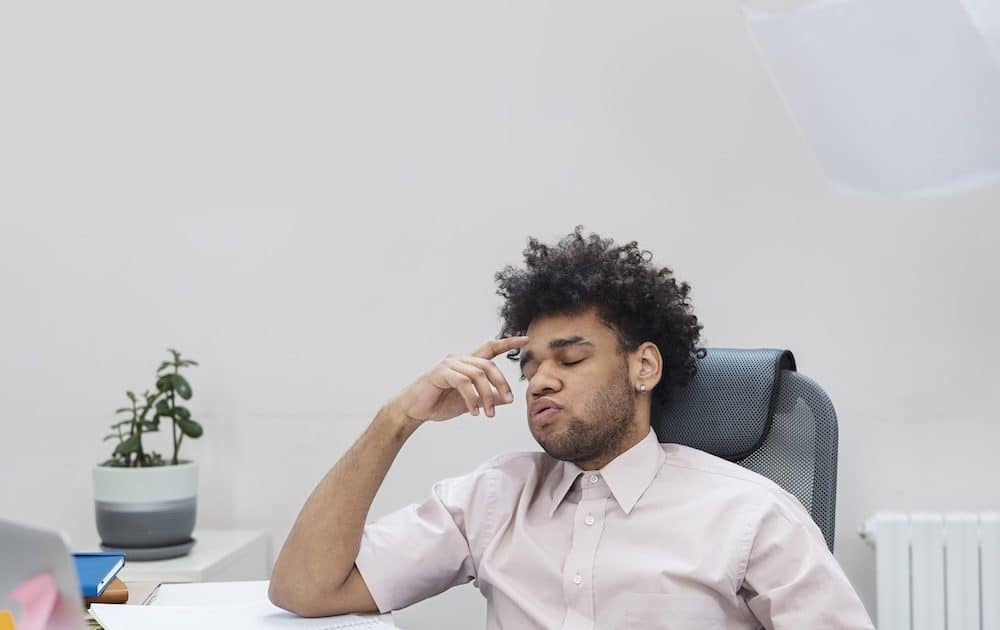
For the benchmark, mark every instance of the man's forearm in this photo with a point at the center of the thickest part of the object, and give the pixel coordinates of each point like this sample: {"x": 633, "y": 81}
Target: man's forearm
{"x": 320, "y": 551}
{"x": 314, "y": 571}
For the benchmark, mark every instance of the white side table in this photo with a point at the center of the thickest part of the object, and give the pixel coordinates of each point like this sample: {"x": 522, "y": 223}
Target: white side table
{"x": 217, "y": 556}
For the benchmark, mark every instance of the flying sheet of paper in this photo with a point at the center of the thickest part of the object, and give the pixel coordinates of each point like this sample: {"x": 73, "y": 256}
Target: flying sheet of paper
{"x": 895, "y": 97}
{"x": 985, "y": 16}
{"x": 260, "y": 616}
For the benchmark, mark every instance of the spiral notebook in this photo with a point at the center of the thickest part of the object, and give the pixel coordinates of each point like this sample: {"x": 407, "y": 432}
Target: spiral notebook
{"x": 220, "y": 605}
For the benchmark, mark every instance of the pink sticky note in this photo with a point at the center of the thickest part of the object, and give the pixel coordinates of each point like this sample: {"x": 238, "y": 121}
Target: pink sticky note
{"x": 37, "y": 597}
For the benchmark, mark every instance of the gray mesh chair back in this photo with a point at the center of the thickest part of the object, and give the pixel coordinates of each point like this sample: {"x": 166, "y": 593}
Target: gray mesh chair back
{"x": 752, "y": 407}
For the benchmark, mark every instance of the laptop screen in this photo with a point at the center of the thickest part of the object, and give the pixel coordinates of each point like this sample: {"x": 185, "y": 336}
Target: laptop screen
{"x": 38, "y": 584}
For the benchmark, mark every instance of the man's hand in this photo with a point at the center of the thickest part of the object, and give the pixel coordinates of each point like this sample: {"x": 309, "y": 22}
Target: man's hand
{"x": 460, "y": 383}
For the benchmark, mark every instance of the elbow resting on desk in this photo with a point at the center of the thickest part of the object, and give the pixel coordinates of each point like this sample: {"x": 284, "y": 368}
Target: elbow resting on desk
{"x": 306, "y": 600}
{"x": 298, "y": 601}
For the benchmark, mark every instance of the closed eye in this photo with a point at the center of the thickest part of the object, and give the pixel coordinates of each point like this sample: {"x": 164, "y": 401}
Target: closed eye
{"x": 524, "y": 378}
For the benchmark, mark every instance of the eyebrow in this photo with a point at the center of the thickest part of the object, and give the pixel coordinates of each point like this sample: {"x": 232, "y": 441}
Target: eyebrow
{"x": 556, "y": 344}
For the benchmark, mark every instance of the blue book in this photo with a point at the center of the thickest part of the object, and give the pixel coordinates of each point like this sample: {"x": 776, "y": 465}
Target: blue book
{"x": 96, "y": 570}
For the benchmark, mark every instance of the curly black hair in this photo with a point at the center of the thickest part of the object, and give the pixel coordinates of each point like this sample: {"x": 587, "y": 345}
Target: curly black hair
{"x": 637, "y": 300}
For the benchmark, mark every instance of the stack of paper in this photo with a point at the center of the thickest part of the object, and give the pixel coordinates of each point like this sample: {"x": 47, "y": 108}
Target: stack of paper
{"x": 221, "y": 606}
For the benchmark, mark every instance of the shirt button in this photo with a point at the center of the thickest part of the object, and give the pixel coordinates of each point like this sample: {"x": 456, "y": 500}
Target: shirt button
{"x": 589, "y": 520}
{"x": 593, "y": 479}
{"x": 578, "y": 579}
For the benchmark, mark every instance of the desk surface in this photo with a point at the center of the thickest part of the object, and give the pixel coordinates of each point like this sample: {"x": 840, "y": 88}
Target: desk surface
{"x": 139, "y": 591}
{"x": 217, "y": 555}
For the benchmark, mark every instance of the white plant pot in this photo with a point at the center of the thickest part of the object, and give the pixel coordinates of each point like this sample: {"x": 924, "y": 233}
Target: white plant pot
{"x": 145, "y": 507}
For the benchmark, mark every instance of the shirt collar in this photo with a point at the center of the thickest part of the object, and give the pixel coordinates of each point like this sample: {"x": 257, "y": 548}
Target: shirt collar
{"x": 628, "y": 475}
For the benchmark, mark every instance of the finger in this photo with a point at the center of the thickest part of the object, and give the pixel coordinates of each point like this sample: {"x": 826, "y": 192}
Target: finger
{"x": 496, "y": 347}
{"x": 465, "y": 388}
{"x": 504, "y": 393}
{"x": 479, "y": 379}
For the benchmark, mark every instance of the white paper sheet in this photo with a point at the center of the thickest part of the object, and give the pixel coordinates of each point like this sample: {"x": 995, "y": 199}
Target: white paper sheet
{"x": 209, "y": 593}
{"x": 260, "y": 616}
{"x": 985, "y": 16}
{"x": 221, "y": 605}
{"x": 895, "y": 97}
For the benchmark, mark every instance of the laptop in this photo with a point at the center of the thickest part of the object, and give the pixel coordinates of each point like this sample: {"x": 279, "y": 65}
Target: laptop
{"x": 38, "y": 584}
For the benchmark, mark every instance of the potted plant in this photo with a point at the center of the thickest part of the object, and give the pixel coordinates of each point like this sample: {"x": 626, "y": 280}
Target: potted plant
{"x": 145, "y": 503}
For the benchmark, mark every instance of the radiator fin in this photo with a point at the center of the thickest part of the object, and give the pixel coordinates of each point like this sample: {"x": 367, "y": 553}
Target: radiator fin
{"x": 936, "y": 571}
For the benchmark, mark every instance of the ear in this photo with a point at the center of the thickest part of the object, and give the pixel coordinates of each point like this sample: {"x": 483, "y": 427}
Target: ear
{"x": 646, "y": 366}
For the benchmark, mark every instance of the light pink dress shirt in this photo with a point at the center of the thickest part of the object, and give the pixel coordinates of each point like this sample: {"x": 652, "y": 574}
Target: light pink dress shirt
{"x": 665, "y": 536}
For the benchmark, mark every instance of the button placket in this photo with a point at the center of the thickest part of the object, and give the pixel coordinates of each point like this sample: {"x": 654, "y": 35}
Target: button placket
{"x": 578, "y": 571}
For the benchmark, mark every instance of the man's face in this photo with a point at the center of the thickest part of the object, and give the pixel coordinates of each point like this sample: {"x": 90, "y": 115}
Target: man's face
{"x": 576, "y": 363}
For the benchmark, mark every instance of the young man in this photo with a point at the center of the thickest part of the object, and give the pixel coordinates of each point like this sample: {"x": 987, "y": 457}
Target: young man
{"x": 606, "y": 528}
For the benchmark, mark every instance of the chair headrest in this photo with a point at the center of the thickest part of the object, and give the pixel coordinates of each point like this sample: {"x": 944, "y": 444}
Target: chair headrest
{"x": 727, "y": 407}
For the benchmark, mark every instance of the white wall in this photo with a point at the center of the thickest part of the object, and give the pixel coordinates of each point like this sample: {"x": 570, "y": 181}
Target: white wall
{"x": 312, "y": 198}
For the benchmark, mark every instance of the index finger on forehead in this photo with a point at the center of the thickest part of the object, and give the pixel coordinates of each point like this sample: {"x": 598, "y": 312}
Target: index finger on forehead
{"x": 495, "y": 347}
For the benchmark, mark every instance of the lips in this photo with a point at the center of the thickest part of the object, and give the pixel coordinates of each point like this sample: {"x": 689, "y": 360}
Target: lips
{"x": 543, "y": 410}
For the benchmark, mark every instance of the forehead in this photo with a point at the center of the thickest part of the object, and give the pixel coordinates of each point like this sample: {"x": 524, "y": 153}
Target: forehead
{"x": 585, "y": 324}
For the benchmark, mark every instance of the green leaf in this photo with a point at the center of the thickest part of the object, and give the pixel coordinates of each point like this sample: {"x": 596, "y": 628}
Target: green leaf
{"x": 131, "y": 396}
{"x": 163, "y": 366}
{"x": 164, "y": 383}
{"x": 121, "y": 423}
{"x": 163, "y": 408}
{"x": 149, "y": 426}
{"x": 130, "y": 445}
{"x": 152, "y": 459}
{"x": 177, "y": 355}
{"x": 181, "y": 386}
{"x": 109, "y": 437}
{"x": 123, "y": 410}
{"x": 190, "y": 428}
{"x": 181, "y": 413}
{"x": 187, "y": 362}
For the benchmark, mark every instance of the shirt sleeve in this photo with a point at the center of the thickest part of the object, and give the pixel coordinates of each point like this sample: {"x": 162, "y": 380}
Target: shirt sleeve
{"x": 792, "y": 580}
{"x": 422, "y": 550}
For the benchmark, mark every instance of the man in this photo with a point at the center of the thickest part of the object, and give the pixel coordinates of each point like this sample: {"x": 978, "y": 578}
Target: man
{"x": 605, "y": 529}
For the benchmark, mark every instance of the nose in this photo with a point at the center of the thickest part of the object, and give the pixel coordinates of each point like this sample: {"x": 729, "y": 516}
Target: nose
{"x": 543, "y": 381}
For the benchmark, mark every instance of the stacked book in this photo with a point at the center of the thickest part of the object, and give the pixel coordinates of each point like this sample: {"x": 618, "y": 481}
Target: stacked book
{"x": 98, "y": 582}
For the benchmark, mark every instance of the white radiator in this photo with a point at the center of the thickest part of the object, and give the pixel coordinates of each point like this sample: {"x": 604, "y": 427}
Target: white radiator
{"x": 936, "y": 571}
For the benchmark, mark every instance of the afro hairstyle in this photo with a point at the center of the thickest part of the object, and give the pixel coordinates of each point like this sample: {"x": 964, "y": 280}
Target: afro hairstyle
{"x": 637, "y": 300}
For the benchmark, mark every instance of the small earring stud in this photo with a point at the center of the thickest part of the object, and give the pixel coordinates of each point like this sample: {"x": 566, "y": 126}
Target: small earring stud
{"x": 642, "y": 388}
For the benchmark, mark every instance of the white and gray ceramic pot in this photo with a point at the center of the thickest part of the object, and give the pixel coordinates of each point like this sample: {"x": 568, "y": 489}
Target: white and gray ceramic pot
{"x": 146, "y": 508}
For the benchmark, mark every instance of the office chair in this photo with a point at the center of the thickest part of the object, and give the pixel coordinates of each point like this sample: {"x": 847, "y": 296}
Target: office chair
{"x": 753, "y": 408}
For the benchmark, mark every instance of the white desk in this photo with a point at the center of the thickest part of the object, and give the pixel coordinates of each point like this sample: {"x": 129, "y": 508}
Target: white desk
{"x": 217, "y": 556}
